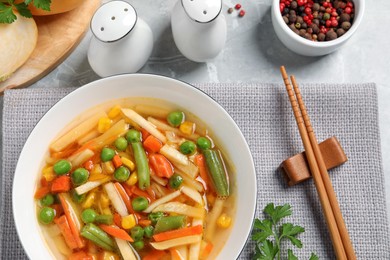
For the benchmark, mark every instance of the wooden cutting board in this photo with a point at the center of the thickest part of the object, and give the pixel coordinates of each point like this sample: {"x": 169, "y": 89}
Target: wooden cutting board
{"x": 58, "y": 35}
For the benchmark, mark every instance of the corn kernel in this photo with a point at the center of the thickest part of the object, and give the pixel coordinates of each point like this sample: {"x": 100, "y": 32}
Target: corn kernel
{"x": 210, "y": 198}
{"x": 132, "y": 179}
{"x": 187, "y": 127}
{"x": 107, "y": 255}
{"x": 104, "y": 200}
{"x": 89, "y": 200}
{"x": 106, "y": 211}
{"x": 108, "y": 167}
{"x": 48, "y": 173}
{"x": 96, "y": 173}
{"x": 128, "y": 222}
{"x": 128, "y": 163}
{"x": 104, "y": 124}
{"x": 114, "y": 112}
{"x": 224, "y": 221}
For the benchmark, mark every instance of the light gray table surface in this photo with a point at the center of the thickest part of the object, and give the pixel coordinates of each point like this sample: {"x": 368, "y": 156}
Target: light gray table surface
{"x": 253, "y": 53}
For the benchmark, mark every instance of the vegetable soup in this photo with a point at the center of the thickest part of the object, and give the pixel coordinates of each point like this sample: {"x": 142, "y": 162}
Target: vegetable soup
{"x": 136, "y": 178}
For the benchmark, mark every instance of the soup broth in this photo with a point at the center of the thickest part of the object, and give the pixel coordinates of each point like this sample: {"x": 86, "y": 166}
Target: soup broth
{"x": 136, "y": 177}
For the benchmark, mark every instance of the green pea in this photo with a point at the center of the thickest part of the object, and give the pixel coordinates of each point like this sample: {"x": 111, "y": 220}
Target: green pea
{"x": 107, "y": 154}
{"x": 138, "y": 245}
{"x": 140, "y": 203}
{"x": 76, "y": 197}
{"x": 133, "y": 136}
{"x": 175, "y": 118}
{"x": 149, "y": 231}
{"x": 47, "y": 200}
{"x": 137, "y": 233}
{"x": 80, "y": 176}
{"x": 62, "y": 167}
{"x": 88, "y": 216}
{"x": 121, "y": 143}
{"x": 187, "y": 147}
{"x": 121, "y": 174}
{"x": 46, "y": 215}
{"x": 155, "y": 216}
{"x": 203, "y": 143}
{"x": 175, "y": 181}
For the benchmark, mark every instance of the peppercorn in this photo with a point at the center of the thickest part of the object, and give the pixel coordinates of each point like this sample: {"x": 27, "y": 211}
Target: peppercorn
{"x": 321, "y": 37}
{"x": 298, "y": 25}
{"x": 293, "y": 5}
{"x": 326, "y": 16}
{"x": 315, "y": 28}
{"x": 304, "y": 25}
{"x": 340, "y": 32}
{"x": 285, "y": 19}
{"x": 316, "y": 7}
{"x": 331, "y": 35}
{"x": 316, "y": 22}
{"x": 241, "y": 13}
{"x": 292, "y": 18}
{"x": 286, "y": 10}
{"x": 237, "y": 6}
{"x": 230, "y": 10}
{"x": 292, "y": 12}
{"x": 344, "y": 18}
{"x": 346, "y": 25}
{"x": 299, "y": 19}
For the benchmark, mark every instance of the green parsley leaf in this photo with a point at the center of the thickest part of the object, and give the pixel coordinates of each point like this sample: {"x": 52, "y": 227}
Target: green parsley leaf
{"x": 268, "y": 250}
{"x": 290, "y": 231}
{"x": 23, "y": 10}
{"x": 278, "y": 212}
{"x": 314, "y": 257}
{"x": 6, "y": 14}
{"x": 265, "y": 230}
{"x": 290, "y": 255}
{"x": 42, "y": 4}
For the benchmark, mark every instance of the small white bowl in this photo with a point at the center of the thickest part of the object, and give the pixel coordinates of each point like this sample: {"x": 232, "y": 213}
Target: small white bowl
{"x": 226, "y": 132}
{"x": 306, "y": 47}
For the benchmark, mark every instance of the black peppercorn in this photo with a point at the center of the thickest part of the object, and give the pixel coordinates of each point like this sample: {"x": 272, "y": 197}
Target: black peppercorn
{"x": 331, "y": 35}
{"x": 346, "y": 25}
{"x": 321, "y": 37}
{"x": 340, "y": 32}
{"x": 344, "y": 18}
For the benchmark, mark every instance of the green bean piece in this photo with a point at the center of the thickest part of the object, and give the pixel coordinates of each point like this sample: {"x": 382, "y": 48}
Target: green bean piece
{"x": 155, "y": 216}
{"x": 140, "y": 203}
{"x": 88, "y": 215}
{"x": 121, "y": 174}
{"x": 170, "y": 223}
{"x": 80, "y": 176}
{"x": 149, "y": 231}
{"x": 175, "y": 181}
{"x": 121, "y": 143}
{"x": 46, "y": 215}
{"x": 137, "y": 233}
{"x": 187, "y": 147}
{"x": 62, "y": 167}
{"x": 104, "y": 219}
{"x": 107, "y": 154}
{"x": 217, "y": 172}
{"x": 133, "y": 136}
{"x": 76, "y": 197}
{"x": 142, "y": 165}
{"x": 47, "y": 200}
{"x": 203, "y": 143}
{"x": 98, "y": 236}
{"x": 175, "y": 118}
{"x": 138, "y": 245}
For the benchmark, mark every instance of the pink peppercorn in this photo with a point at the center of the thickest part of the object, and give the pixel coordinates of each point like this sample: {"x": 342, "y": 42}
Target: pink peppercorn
{"x": 238, "y": 6}
{"x": 334, "y": 23}
{"x": 241, "y": 13}
{"x": 348, "y": 10}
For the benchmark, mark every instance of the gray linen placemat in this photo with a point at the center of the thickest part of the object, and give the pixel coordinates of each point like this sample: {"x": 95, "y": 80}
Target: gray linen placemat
{"x": 264, "y": 115}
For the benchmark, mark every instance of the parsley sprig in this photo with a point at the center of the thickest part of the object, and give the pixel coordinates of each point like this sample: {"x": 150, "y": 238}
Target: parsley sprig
{"x": 8, "y": 7}
{"x": 268, "y": 234}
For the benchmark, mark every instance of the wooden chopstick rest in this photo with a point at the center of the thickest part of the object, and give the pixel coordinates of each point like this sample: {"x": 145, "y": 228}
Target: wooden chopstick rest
{"x": 296, "y": 168}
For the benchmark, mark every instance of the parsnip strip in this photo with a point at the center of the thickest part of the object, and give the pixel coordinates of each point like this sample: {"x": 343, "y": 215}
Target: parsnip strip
{"x": 116, "y": 199}
{"x": 174, "y": 155}
{"x": 81, "y": 157}
{"x": 190, "y": 182}
{"x": 89, "y": 136}
{"x": 118, "y": 129}
{"x": 195, "y": 247}
{"x": 165, "y": 127}
{"x": 162, "y": 200}
{"x": 190, "y": 169}
{"x": 181, "y": 209}
{"x": 125, "y": 249}
{"x": 192, "y": 193}
{"x": 90, "y": 185}
{"x": 212, "y": 218}
{"x": 77, "y": 132}
{"x": 176, "y": 242}
{"x": 142, "y": 122}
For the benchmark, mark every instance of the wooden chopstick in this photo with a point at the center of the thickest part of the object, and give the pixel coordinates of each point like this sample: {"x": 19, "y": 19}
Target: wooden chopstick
{"x": 325, "y": 175}
{"x": 324, "y": 200}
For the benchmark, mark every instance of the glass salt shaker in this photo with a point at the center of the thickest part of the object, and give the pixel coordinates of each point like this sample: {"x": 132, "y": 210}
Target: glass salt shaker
{"x": 199, "y": 28}
{"x": 121, "y": 42}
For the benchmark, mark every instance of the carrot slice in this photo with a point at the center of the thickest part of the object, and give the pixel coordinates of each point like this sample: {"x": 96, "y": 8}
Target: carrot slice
{"x": 175, "y": 255}
{"x": 88, "y": 165}
{"x": 161, "y": 166}
{"x": 42, "y": 192}
{"x": 152, "y": 144}
{"x": 145, "y": 134}
{"x": 69, "y": 216}
{"x": 137, "y": 191}
{"x": 117, "y": 160}
{"x": 66, "y": 152}
{"x": 183, "y": 232}
{"x": 155, "y": 255}
{"x": 81, "y": 255}
{"x": 117, "y": 219}
{"x": 206, "y": 249}
{"x": 203, "y": 172}
{"x": 144, "y": 222}
{"x": 124, "y": 196}
{"x": 66, "y": 232}
{"x": 116, "y": 232}
{"x": 61, "y": 184}
{"x": 58, "y": 209}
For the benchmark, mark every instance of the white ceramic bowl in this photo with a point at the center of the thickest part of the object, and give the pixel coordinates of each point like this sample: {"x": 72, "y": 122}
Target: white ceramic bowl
{"x": 306, "y": 47}
{"x": 136, "y": 85}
